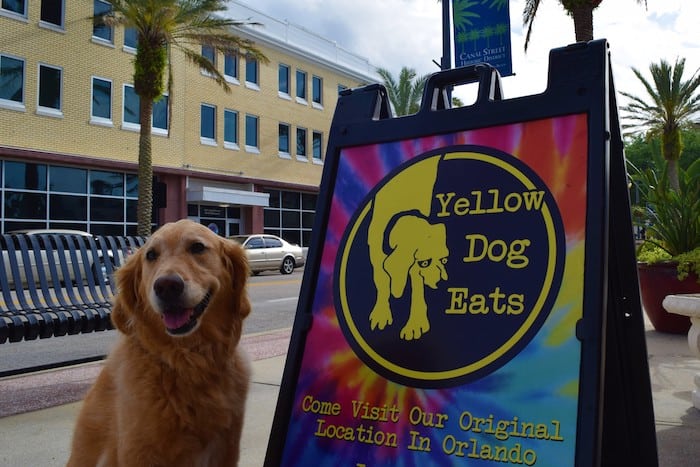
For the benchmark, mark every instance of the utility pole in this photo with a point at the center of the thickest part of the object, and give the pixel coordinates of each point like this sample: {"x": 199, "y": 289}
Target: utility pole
{"x": 446, "y": 62}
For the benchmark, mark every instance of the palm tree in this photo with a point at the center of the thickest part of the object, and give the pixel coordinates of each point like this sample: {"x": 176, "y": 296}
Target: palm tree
{"x": 162, "y": 26}
{"x": 580, "y": 10}
{"x": 672, "y": 105}
{"x": 404, "y": 94}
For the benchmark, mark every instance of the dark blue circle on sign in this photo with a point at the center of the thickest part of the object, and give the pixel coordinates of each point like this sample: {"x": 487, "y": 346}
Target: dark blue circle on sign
{"x": 449, "y": 267}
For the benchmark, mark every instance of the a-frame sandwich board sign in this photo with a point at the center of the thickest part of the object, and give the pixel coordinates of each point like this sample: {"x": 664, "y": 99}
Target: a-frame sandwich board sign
{"x": 471, "y": 296}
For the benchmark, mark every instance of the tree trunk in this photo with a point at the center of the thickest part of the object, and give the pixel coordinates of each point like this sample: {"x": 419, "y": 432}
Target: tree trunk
{"x": 583, "y": 22}
{"x": 672, "y": 174}
{"x": 145, "y": 173}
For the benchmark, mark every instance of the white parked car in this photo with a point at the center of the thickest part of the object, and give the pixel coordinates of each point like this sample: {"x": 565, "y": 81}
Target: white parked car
{"x": 54, "y": 252}
{"x": 270, "y": 253}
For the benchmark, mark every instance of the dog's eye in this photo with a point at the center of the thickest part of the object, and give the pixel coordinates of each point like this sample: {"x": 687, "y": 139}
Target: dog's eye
{"x": 151, "y": 255}
{"x": 197, "y": 248}
{"x": 425, "y": 263}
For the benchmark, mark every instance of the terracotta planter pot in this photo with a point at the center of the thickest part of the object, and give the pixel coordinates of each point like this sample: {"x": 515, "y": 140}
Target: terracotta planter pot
{"x": 655, "y": 282}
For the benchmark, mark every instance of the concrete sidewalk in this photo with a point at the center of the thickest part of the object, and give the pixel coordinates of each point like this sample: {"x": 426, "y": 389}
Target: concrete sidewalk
{"x": 42, "y": 437}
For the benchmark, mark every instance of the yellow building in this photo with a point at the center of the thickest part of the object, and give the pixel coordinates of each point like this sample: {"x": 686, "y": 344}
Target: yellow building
{"x": 248, "y": 161}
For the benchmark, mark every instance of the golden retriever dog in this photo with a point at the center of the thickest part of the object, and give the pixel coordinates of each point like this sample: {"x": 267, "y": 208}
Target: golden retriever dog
{"x": 416, "y": 251}
{"x": 173, "y": 390}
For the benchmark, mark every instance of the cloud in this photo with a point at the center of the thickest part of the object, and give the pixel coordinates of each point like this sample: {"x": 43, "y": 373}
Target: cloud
{"x": 397, "y": 33}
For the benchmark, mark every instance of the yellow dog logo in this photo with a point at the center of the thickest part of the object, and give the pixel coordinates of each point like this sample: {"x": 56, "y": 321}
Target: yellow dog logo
{"x": 416, "y": 251}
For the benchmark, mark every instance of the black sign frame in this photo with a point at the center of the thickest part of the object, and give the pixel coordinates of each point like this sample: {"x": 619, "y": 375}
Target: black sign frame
{"x": 615, "y": 422}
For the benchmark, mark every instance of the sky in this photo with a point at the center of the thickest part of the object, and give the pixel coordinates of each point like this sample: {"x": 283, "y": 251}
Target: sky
{"x": 397, "y": 33}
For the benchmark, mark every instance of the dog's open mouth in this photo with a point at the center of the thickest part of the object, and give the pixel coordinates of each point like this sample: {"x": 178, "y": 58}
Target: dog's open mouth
{"x": 180, "y": 321}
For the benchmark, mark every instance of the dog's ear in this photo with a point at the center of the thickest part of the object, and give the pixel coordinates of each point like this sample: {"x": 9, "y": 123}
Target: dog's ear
{"x": 128, "y": 280}
{"x": 237, "y": 265}
{"x": 402, "y": 240}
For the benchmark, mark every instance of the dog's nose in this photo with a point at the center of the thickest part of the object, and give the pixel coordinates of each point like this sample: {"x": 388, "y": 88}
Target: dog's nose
{"x": 169, "y": 288}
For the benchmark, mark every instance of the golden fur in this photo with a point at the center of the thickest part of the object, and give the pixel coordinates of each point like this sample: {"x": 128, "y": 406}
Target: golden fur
{"x": 172, "y": 398}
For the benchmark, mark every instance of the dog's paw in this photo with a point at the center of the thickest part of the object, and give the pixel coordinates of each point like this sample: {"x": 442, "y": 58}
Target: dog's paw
{"x": 414, "y": 329}
{"x": 380, "y": 318}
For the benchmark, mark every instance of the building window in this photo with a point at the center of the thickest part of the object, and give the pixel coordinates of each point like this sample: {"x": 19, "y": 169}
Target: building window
{"x": 230, "y": 129}
{"x": 99, "y": 30}
{"x": 50, "y": 87}
{"x": 209, "y": 53}
{"x": 251, "y": 133}
{"x": 317, "y": 91}
{"x": 301, "y": 143}
{"x": 131, "y": 39}
{"x": 283, "y": 140}
{"x": 231, "y": 67}
{"x": 11, "y": 82}
{"x": 283, "y": 87}
{"x": 317, "y": 146}
{"x": 14, "y": 7}
{"x": 101, "y": 101}
{"x": 251, "y": 72}
{"x": 207, "y": 132}
{"x": 131, "y": 113}
{"x": 290, "y": 215}
{"x": 160, "y": 115}
{"x": 301, "y": 86}
{"x": 52, "y": 12}
{"x": 58, "y": 197}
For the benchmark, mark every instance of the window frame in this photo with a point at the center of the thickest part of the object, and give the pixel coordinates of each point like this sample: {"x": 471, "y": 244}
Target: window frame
{"x": 97, "y": 38}
{"x": 159, "y": 130}
{"x": 131, "y": 126}
{"x": 303, "y": 155}
{"x": 283, "y": 92}
{"x": 231, "y": 57}
{"x": 228, "y": 144}
{"x": 314, "y": 136}
{"x": 301, "y": 92}
{"x": 207, "y": 140}
{"x": 127, "y": 47}
{"x": 252, "y": 66}
{"x": 11, "y": 103}
{"x": 281, "y": 152}
{"x": 252, "y": 148}
{"x": 14, "y": 14}
{"x": 210, "y": 54}
{"x": 43, "y": 109}
{"x": 317, "y": 102}
{"x": 49, "y": 24}
{"x": 96, "y": 119}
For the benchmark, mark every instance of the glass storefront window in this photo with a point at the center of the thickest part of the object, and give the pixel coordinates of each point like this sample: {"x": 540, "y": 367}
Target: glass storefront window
{"x": 132, "y": 185}
{"x": 68, "y": 207}
{"x": 271, "y": 218}
{"x": 24, "y": 176}
{"x": 107, "y": 209}
{"x": 308, "y": 201}
{"x": 67, "y": 179}
{"x": 290, "y": 200}
{"x": 131, "y": 210}
{"x": 19, "y": 205}
{"x": 106, "y": 183}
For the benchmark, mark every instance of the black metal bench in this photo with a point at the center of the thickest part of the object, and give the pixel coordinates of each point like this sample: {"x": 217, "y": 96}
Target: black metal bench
{"x": 56, "y": 284}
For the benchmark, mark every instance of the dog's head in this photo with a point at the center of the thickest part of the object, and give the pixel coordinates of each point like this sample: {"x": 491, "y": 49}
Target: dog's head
{"x": 185, "y": 279}
{"x": 418, "y": 244}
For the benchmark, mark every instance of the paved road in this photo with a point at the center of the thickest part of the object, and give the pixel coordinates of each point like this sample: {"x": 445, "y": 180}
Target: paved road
{"x": 273, "y": 296}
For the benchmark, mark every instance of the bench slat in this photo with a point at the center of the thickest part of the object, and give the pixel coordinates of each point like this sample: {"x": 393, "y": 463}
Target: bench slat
{"x": 44, "y": 305}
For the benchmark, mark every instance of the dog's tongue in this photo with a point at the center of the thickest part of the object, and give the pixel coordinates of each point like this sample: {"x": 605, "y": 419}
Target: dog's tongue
{"x": 177, "y": 318}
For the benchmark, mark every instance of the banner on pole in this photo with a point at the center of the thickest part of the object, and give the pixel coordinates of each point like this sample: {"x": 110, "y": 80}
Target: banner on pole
{"x": 482, "y": 34}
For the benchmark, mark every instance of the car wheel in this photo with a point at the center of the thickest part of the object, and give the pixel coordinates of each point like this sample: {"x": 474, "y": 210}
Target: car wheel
{"x": 287, "y": 266}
